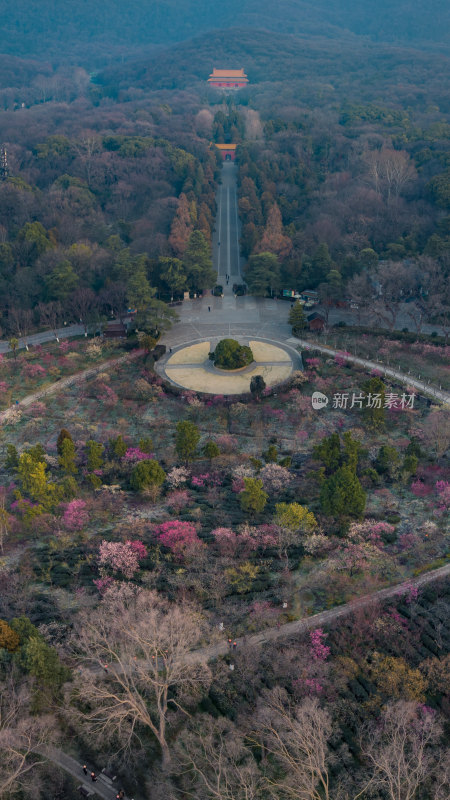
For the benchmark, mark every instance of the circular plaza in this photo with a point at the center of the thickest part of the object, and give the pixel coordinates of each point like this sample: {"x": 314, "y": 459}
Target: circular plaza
{"x": 190, "y": 367}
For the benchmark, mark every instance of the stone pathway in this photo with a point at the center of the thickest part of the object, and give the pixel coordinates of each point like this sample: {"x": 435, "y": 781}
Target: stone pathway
{"x": 58, "y": 386}
{"x": 401, "y": 377}
{"x": 102, "y": 787}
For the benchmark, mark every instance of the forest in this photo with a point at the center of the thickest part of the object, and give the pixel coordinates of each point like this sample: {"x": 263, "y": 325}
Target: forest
{"x": 226, "y": 597}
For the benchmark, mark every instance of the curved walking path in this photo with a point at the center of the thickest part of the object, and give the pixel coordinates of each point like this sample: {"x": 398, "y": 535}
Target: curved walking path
{"x": 426, "y": 388}
{"x": 322, "y": 618}
{"x": 58, "y": 386}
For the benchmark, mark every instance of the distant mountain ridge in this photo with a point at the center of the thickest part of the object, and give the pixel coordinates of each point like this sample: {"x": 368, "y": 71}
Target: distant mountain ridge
{"x": 93, "y": 30}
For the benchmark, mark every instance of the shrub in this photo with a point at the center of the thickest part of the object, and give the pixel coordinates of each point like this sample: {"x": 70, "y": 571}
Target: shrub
{"x": 147, "y": 473}
{"x": 229, "y": 354}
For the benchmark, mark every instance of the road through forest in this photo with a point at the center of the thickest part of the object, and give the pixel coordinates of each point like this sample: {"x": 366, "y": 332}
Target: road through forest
{"x": 226, "y": 247}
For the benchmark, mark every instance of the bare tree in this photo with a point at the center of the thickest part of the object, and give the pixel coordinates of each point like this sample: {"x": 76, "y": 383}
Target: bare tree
{"x": 361, "y": 292}
{"x": 144, "y": 643}
{"x": 22, "y": 738}
{"x": 114, "y": 299}
{"x": 390, "y": 171}
{"x": 84, "y": 304}
{"x": 22, "y": 320}
{"x": 87, "y": 148}
{"x": 214, "y": 762}
{"x": 402, "y": 750}
{"x": 297, "y": 736}
{"x": 393, "y": 288}
{"x": 50, "y": 315}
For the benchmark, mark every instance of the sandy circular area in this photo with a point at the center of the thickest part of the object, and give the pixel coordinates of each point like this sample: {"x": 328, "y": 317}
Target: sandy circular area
{"x": 191, "y": 368}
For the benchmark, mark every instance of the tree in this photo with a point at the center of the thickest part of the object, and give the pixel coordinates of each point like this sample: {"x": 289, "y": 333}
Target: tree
{"x": 157, "y": 318}
{"x": 295, "y": 517}
{"x": 67, "y": 457}
{"x": 197, "y": 262}
{"x": 387, "y": 461}
{"x": 50, "y": 316}
{"x": 94, "y": 455}
{"x": 273, "y": 240}
{"x": 297, "y": 319}
{"x": 33, "y": 479}
{"x": 172, "y": 273}
{"x": 122, "y": 556}
{"x": 5, "y": 519}
{"x": 14, "y": 346}
{"x": 9, "y": 639}
{"x": 181, "y": 228}
{"x": 374, "y": 410}
{"x": 253, "y": 497}
{"x": 179, "y": 537}
{"x": 229, "y": 354}
{"x": 321, "y": 264}
{"x": 147, "y": 473}
{"x": 392, "y": 279}
{"x": 145, "y": 642}
{"x": 119, "y": 447}
{"x": 63, "y": 434}
{"x": 215, "y": 762}
{"x": 84, "y": 304}
{"x": 21, "y": 736}
{"x": 61, "y": 281}
{"x": 211, "y": 450}
{"x": 402, "y": 748}
{"x": 139, "y": 291}
{"x": 342, "y": 494}
{"x": 22, "y": 320}
{"x": 262, "y": 274}
{"x": 297, "y": 737}
{"x": 186, "y": 439}
{"x": 329, "y": 451}
{"x": 257, "y": 386}
{"x": 12, "y": 458}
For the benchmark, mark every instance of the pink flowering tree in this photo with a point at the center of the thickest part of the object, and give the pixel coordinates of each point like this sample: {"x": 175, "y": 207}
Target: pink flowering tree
{"x": 178, "y": 499}
{"x": 122, "y": 556}
{"x": 319, "y": 650}
{"x": 134, "y": 454}
{"x": 226, "y": 541}
{"x": 421, "y": 489}
{"x": 75, "y": 515}
{"x": 179, "y": 537}
{"x": 443, "y": 491}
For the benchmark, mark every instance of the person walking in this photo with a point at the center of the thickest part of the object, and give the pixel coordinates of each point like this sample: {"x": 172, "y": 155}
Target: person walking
{"x": 209, "y": 308}
{"x": 229, "y": 643}
{"x": 85, "y": 769}
{"x": 234, "y": 645}
{"x": 93, "y": 777}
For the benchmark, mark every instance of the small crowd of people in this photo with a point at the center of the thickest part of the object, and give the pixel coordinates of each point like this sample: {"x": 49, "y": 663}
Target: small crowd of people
{"x": 119, "y": 796}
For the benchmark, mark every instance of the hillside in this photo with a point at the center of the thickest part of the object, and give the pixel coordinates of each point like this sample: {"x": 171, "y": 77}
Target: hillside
{"x": 93, "y": 33}
{"x": 346, "y": 67}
